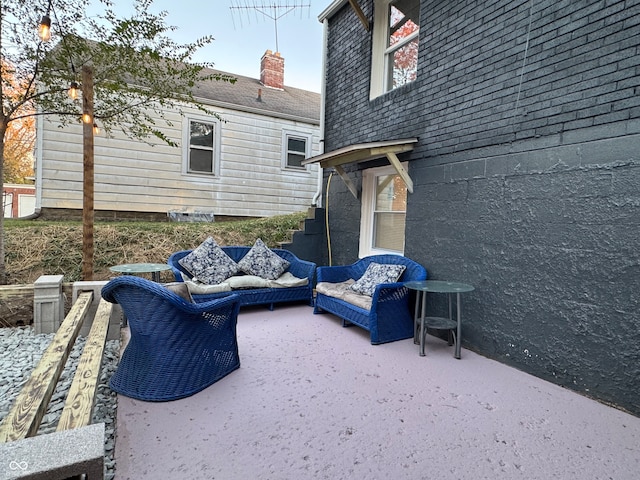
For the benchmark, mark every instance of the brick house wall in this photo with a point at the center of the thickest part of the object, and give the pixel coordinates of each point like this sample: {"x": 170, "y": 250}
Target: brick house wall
{"x": 13, "y": 194}
{"x": 526, "y": 175}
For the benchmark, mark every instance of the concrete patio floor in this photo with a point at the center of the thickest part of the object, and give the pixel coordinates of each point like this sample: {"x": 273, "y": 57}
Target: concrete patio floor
{"x": 313, "y": 400}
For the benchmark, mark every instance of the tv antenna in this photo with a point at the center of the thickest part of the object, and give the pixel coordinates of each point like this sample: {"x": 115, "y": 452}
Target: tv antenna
{"x": 263, "y": 9}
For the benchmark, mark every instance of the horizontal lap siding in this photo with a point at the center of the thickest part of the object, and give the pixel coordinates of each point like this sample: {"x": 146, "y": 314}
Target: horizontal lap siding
{"x": 133, "y": 176}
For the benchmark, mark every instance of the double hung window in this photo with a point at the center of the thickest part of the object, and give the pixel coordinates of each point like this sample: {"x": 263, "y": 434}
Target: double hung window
{"x": 202, "y": 146}
{"x": 384, "y": 206}
{"x": 295, "y": 148}
{"x": 395, "y": 44}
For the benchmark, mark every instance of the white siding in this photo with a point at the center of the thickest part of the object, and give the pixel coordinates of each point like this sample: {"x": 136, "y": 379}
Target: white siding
{"x": 131, "y": 175}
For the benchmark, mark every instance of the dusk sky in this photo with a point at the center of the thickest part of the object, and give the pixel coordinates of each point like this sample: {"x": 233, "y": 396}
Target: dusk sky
{"x": 243, "y": 35}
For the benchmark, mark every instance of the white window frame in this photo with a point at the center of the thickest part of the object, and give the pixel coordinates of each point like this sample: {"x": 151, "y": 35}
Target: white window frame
{"x": 367, "y": 210}
{"x": 186, "y": 144}
{"x": 380, "y": 53}
{"x": 286, "y": 135}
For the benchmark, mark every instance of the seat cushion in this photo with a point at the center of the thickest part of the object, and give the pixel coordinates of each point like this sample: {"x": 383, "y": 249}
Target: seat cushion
{"x": 343, "y": 292}
{"x": 181, "y": 289}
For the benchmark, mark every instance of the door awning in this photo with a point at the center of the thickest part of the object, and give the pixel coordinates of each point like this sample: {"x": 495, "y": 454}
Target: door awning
{"x": 364, "y": 152}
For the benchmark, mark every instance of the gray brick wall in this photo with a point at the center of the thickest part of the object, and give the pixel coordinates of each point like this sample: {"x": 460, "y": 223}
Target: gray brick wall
{"x": 527, "y": 180}
{"x": 580, "y": 70}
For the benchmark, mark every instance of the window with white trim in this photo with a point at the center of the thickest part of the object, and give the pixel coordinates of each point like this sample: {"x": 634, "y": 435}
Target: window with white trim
{"x": 202, "y": 146}
{"x": 395, "y": 44}
{"x": 295, "y": 148}
{"x": 383, "y": 212}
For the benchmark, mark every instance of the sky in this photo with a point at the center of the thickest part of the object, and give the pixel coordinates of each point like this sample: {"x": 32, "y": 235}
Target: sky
{"x": 243, "y": 35}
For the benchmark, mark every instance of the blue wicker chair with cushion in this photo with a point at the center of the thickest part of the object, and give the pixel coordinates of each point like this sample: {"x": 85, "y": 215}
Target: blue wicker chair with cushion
{"x": 386, "y": 314}
{"x": 177, "y": 348}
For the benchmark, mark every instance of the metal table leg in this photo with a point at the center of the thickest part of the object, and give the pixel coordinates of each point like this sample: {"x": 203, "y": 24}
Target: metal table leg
{"x": 416, "y": 319}
{"x": 423, "y": 327}
{"x": 459, "y": 332}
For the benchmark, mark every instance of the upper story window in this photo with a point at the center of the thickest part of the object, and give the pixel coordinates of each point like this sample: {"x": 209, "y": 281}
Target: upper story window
{"x": 202, "y": 152}
{"x": 295, "y": 148}
{"x": 395, "y": 44}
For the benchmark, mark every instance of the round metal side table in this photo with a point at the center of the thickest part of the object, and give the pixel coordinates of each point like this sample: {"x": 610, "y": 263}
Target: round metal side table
{"x": 422, "y": 322}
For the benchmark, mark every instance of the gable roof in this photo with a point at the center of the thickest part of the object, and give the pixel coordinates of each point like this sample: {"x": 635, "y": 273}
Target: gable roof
{"x": 248, "y": 94}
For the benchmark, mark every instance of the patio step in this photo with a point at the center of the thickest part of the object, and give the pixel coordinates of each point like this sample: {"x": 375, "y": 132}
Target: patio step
{"x": 309, "y": 242}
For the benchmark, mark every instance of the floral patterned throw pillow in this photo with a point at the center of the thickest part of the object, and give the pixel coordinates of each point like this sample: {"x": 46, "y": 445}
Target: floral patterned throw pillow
{"x": 376, "y": 274}
{"x": 262, "y": 262}
{"x": 209, "y": 264}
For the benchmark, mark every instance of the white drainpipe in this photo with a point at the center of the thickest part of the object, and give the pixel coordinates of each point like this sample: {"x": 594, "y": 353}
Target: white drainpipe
{"x": 317, "y": 198}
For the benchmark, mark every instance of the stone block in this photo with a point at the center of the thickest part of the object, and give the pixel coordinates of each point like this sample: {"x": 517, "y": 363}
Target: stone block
{"x": 55, "y": 456}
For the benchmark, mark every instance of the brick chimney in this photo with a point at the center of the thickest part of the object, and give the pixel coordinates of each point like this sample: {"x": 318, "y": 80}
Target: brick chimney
{"x": 272, "y": 70}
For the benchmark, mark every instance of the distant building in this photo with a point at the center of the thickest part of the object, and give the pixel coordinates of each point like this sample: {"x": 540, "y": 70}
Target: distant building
{"x": 18, "y": 200}
{"x": 247, "y": 165}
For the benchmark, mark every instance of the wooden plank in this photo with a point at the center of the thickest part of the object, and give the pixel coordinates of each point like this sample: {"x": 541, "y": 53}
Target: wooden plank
{"x": 363, "y": 19}
{"x": 78, "y": 406}
{"x": 361, "y": 152}
{"x": 401, "y": 171}
{"x": 356, "y": 156}
{"x": 23, "y": 420}
{"x": 345, "y": 178}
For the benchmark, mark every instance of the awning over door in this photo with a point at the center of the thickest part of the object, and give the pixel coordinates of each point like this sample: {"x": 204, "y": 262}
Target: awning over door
{"x": 364, "y": 152}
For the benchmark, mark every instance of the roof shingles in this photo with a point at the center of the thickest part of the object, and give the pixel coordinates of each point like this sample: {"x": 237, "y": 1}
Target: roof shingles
{"x": 249, "y": 94}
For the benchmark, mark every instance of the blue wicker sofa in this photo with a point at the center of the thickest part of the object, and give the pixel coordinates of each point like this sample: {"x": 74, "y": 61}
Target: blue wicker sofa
{"x": 256, "y": 296}
{"x": 389, "y": 317}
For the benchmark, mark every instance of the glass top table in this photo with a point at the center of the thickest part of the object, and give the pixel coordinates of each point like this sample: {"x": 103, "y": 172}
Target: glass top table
{"x": 422, "y": 322}
{"x": 135, "y": 268}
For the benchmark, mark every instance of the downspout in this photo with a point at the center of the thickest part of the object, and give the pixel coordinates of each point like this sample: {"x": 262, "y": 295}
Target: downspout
{"x": 317, "y": 198}
{"x": 32, "y": 216}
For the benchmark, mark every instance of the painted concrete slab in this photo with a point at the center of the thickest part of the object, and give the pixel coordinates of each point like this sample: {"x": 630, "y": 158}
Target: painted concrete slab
{"x": 314, "y": 400}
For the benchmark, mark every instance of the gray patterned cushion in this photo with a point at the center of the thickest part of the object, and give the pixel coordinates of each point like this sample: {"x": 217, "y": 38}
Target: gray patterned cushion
{"x": 262, "y": 262}
{"x": 376, "y": 274}
{"x": 209, "y": 264}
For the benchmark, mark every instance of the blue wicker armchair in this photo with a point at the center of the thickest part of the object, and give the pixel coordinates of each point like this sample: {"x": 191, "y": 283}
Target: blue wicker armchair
{"x": 177, "y": 348}
{"x": 390, "y": 317}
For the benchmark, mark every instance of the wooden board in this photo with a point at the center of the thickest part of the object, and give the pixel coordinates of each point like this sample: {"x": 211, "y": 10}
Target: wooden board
{"x": 23, "y": 420}
{"x": 78, "y": 406}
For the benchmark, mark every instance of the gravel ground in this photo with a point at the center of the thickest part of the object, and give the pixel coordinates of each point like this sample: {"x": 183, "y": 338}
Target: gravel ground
{"x": 20, "y": 351}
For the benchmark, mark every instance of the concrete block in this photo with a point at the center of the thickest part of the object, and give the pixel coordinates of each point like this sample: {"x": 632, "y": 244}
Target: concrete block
{"x": 55, "y": 456}
{"x": 48, "y": 303}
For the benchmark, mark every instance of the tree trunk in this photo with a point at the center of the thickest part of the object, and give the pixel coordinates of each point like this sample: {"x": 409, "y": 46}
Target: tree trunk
{"x": 88, "y": 172}
{"x": 3, "y": 266}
